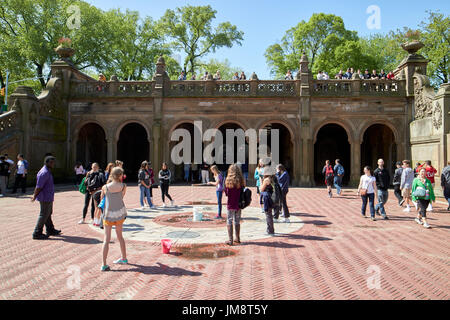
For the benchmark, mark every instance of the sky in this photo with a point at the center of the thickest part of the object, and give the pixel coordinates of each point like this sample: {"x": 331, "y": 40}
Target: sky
{"x": 264, "y": 22}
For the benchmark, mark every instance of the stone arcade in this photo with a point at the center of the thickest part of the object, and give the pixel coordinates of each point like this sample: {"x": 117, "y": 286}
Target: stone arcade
{"x": 79, "y": 118}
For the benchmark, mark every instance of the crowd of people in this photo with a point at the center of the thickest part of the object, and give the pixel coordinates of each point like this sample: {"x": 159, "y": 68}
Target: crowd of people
{"x": 351, "y": 74}
{"x": 412, "y": 187}
{"x": 104, "y": 191}
{"x": 20, "y": 169}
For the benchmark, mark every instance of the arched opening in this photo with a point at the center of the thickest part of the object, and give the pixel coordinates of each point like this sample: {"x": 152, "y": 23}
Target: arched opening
{"x": 91, "y": 145}
{"x": 133, "y": 148}
{"x": 379, "y": 143}
{"x": 178, "y": 170}
{"x": 286, "y": 148}
{"x": 331, "y": 144}
{"x": 237, "y": 148}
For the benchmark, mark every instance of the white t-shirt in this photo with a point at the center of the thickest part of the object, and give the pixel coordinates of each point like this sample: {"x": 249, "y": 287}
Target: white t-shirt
{"x": 367, "y": 183}
{"x": 79, "y": 170}
{"x": 11, "y": 164}
{"x": 20, "y": 167}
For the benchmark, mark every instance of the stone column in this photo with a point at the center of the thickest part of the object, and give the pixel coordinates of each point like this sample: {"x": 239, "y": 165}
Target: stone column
{"x": 355, "y": 146}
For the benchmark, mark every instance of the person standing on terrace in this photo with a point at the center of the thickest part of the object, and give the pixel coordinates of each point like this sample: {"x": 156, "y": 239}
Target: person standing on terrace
{"x": 383, "y": 75}
{"x": 340, "y": 75}
{"x": 205, "y": 76}
{"x": 374, "y": 75}
{"x": 217, "y": 76}
{"x": 390, "y": 76}
{"x": 236, "y": 76}
{"x": 348, "y": 74}
{"x": 243, "y": 76}
{"x": 182, "y": 76}
{"x": 193, "y": 77}
{"x": 366, "y": 74}
{"x": 289, "y": 75}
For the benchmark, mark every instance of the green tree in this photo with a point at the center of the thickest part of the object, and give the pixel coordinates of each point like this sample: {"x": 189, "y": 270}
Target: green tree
{"x": 436, "y": 38}
{"x": 190, "y": 29}
{"x": 226, "y": 70}
{"x": 317, "y": 37}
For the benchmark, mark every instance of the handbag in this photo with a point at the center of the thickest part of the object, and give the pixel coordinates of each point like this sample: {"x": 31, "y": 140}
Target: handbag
{"x": 419, "y": 192}
{"x": 363, "y": 192}
{"x": 82, "y": 187}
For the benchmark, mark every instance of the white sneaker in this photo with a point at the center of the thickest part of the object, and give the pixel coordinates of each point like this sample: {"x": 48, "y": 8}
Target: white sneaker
{"x": 407, "y": 209}
{"x": 415, "y": 205}
{"x": 171, "y": 203}
{"x": 152, "y": 207}
{"x": 81, "y": 222}
{"x": 164, "y": 205}
{"x": 275, "y": 221}
{"x": 430, "y": 208}
{"x": 426, "y": 225}
{"x": 142, "y": 208}
{"x": 1, "y": 196}
{"x": 418, "y": 221}
{"x": 286, "y": 220}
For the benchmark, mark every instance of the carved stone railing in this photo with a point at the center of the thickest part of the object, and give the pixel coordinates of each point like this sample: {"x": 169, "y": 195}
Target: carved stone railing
{"x": 358, "y": 88}
{"x": 81, "y": 89}
{"x": 250, "y": 88}
{"x": 8, "y": 122}
{"x": 266, "y": 88}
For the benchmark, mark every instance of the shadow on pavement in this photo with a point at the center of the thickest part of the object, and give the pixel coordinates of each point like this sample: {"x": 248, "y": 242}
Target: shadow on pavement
{"x": 78, "y": 240}
{"x": 276, "y": 244}
{"x": 302, "y": 237}
{"x": 160, "y": 269}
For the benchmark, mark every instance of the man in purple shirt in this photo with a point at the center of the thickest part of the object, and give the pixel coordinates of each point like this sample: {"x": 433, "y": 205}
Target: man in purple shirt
{"x": 44, "y": 193}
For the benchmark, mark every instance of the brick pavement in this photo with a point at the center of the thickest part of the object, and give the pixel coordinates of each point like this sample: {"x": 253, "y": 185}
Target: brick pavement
{"x": 328, "y": 258}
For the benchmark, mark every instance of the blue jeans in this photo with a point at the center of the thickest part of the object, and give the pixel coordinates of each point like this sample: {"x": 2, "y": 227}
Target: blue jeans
{"x": 338, "y": 184}
{"x": 383, "y": 196}
{"x": 219, "y": 203}
{"x": 145, "y": 192}
{"x": 186, "y": 175}
{"x": 371, "y": 198}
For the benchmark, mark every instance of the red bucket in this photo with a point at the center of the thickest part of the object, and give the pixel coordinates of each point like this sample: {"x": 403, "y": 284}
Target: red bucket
{"x": 166, "y": 245}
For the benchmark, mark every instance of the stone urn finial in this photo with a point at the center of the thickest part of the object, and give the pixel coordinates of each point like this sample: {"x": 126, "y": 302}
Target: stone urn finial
{"x": 64, "y": 49}
{"x": 253, "y": 76}
{"x": 412, "y": 46}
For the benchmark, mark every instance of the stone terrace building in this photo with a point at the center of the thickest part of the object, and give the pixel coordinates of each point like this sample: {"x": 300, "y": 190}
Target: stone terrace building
{"x": 358, "y": 121}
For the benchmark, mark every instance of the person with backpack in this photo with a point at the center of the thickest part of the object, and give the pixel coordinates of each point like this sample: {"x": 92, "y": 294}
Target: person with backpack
{"x": 396, "y": 182}
{"x": 94, "y": 182}
{"x": 269, "y": 196}
{"x": 422, "y": 192}
{"x": 338, "y": 175}
{"x": 4, "y": 172}
{"x": 234, "y": 184}
{"x": 445, "y": 183}
{"x": 328, "y": 172}
{"x": 258, "y": 178}
{"x": 406, "y": 183}
{"x": 21, "y": 174}
{"x": 283, "y": 180}
{"x": 219, "y": 189}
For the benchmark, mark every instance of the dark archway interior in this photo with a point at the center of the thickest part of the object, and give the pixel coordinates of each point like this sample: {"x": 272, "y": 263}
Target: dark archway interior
{"x": 91, "y": 145}
{"x": 133, "y": 148}
{"x": 237, "y": 149}
{"x": 379, "y": 142}
{"x": 331, "y": 144}
{"x": 286, "y": 147}
{"x": 178, "y": 170}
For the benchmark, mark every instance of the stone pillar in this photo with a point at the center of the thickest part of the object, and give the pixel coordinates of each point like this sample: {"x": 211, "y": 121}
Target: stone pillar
{"x": 110, "y": 141}
{"x": 355, "y": 146}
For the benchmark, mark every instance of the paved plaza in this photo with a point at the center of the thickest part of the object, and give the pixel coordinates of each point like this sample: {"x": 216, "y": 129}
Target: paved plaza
{"x": 328, "y": 251}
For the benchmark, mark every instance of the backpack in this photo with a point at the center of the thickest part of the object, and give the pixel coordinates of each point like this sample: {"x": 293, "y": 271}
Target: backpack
{"x": 245, "y": 198}
{"x": 276, "y": 194}
{"x": 4, "y": 168}
{"x": 329, "y": 172}
{"x": 25, "y": 163}
{"x": 340, "y": 170}
{"x": 82, "y": 187}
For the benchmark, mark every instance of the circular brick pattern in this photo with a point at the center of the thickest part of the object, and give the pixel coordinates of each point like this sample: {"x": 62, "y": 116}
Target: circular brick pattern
{"x": 152, "y": 225}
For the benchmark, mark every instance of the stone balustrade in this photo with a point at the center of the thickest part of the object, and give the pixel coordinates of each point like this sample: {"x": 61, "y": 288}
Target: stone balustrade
{"x": 358, "y": 87}
{"x": 8, "y": 121}
{"x": 256, "y": 88}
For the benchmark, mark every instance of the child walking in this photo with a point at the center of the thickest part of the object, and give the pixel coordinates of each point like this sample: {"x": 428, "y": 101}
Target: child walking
{"x": 219, "y": 189}
{"x": 115, "y": 215}
{"x": 234, "y": 183}
{"x": 267, "y": 190}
